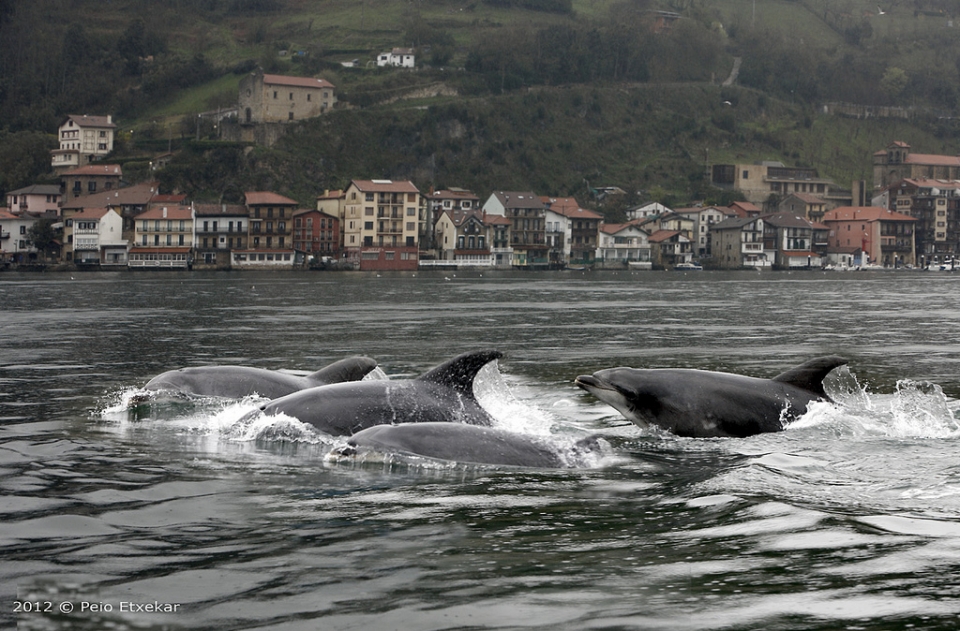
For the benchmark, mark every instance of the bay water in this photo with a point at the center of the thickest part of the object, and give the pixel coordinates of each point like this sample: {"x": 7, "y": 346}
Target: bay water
{"x": 182, "y": 516}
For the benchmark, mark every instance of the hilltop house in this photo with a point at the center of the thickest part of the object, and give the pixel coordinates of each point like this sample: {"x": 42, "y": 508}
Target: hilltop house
{"x": 380, "y": 224}
{"x": 270, "y": 98}
{"x": 886, "y": 237}
{"x": 398, "y": 57}
{"x": 83, "y": 139}
{"x": 764, "y": 181}
{"x": 738, "y": 242}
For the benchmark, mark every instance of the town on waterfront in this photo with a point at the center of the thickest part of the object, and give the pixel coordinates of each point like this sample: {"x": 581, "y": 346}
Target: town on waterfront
{"x": 789, "y": 217}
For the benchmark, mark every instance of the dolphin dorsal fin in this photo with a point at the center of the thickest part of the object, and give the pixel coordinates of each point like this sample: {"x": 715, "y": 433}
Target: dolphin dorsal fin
{"x": 349, "y": 369}
{"x": 459, "y": 372}
{"x": 809, "y": 375}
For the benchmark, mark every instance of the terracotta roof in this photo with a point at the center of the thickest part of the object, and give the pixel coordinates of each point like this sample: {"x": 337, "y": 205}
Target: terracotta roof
{"x": 258, "y": 198}
{"x": 308, "y": 211}
{"x": 496, "y": 220}
{"x": 459, "y": 216}
{"x": 786, "y": 220}
{"x": 899, "y": 143}
{"x": 168, "y": 199}
{"x": 85, "y": 120}
{"x": 172, "y": 212}
{"x": 37, "y": 189}
{"x": 6, "y": 214}
{"x": 663, "y": 235}
{"x": 933, "y": 160}
{"x": 335, "y": 194}
{"x": 91, "y": 213}
{"x": 385, "y": 186}
{"x": 300, "y": 82}
{"x": 518, "y": 199}
{"x": 923, "y": 182}
{"x": 453, "y": 193}
{"x": 136, "y": 195}
{"x": 220, "y": 210}
{"x": 733, "y": 223}
{"x": 864, "y": 213}
{"x": 614, "y": 228}
{"x": 97, "y": 169}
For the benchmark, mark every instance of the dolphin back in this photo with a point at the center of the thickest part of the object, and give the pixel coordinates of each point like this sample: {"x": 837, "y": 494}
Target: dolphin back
{"x": 459, "y": 372}
{"x": 349, "y": 369}
{"x": 810, "y": 374}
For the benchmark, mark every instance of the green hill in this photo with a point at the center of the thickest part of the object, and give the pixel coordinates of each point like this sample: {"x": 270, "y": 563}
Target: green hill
{"x": 553, "y": 94}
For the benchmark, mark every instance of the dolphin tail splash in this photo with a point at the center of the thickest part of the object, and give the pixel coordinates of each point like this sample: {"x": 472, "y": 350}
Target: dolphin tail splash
{"x": 810, "y": 374}
{"x": 459, "y": 372}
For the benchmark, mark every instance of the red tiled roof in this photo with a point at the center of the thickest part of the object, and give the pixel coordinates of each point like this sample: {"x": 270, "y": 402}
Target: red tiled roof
{"x": 933, "y": 160}
{"x": 663, "y": 235}
{"x": 136, "y": 195}
{"x": 258, "y": 198}
{"x": 97, "y": 169}
{"x": 85, "y": 120}
{"x": 495, "y": 220}
{"x": 220, "y": 210}
{"x": 91, "y": 213}
{"x": 385, "y": 186}
{"x": 168, "y": 199}
{"x": 336, "y": 194}
{"x": 6, "y": 214}
{"x": 172, "y": 212}
{"x": 864, "y": 213}
{"x": 300, "y": 82}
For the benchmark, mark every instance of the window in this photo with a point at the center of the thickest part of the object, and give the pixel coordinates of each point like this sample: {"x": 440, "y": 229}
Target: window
{"x": 291, "y": 96}
{"x": 411, "y": 212}
{"x": 274, "y": 94}
{"x": 368, "y": 211}
{"x": 368, "y": 225}
{"x": 92, "y": 187}
{"x": 746, "y": 174}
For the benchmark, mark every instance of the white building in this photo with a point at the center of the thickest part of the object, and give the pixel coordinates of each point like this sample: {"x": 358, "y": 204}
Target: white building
{"x": 83, "y": 139}
{"x": 14, "y": 246}
{"x": 399, "y": 57}
{"x": 622, "y": 244}
{"x": 96, "y": 237}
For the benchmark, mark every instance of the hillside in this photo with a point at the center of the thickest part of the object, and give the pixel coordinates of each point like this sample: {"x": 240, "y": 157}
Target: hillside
{"x": 553, "y": 94}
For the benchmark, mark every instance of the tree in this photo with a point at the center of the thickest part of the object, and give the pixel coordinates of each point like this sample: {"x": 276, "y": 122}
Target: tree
{"x": 42, "y": 236}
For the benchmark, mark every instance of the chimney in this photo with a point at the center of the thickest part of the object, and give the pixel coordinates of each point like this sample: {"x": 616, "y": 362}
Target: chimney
{"x": 164, "y": 212}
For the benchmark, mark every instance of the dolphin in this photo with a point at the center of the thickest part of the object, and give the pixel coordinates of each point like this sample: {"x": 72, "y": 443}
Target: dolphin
{"x": 240, "y": 381}
{"x": 443, "y": 394}
{"x": 701, "y": 404}
{"x": 465, "y": 444}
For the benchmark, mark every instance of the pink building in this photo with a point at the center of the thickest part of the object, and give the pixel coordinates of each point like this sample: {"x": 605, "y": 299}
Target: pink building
{"x": 888, "y": 238}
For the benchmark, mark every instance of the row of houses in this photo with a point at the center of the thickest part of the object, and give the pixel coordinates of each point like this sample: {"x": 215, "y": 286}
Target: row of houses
{"x": 390, "y": 225}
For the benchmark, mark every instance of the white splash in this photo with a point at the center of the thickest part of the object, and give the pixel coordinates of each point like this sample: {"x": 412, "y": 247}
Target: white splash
{"x": 916, "y": 409}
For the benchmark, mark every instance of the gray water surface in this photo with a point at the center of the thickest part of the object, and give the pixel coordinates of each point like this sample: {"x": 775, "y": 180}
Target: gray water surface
{"x": 850, "y": 519}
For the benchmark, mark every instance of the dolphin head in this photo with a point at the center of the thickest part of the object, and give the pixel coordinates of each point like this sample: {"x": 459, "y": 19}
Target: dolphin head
{"x": 640, "y": 400}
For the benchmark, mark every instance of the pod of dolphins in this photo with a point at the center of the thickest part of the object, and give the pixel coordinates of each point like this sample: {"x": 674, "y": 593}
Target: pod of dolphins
{"x": 437, "y": 415}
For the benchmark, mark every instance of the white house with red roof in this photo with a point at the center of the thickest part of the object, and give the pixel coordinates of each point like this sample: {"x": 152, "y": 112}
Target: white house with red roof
{"x": 94, "y": 236}
{"x": 271, "y": 98}
{"x": 398, "y": 57}
{"x": 572, "y": 232}
{"x": 83, "y": 139}
{"x": 623, "y": 245}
